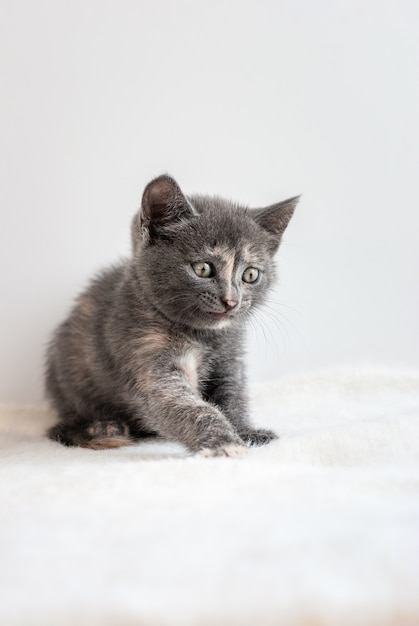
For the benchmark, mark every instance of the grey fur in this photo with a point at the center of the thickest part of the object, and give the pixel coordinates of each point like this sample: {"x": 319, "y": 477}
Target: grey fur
{"x": 152, "y": 348}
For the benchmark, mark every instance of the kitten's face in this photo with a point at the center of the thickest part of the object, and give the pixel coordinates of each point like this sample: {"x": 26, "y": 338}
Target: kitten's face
{"x": 211, "y": 271}
{"x": 204, "y": 262}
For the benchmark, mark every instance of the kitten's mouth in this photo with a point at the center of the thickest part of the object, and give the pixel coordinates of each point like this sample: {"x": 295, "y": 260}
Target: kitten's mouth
{"x": 225, "y": 315}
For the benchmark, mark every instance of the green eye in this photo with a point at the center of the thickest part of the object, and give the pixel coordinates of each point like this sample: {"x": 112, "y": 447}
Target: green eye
{"x": 250, "y": 275}
{"x": 203, "y": 270}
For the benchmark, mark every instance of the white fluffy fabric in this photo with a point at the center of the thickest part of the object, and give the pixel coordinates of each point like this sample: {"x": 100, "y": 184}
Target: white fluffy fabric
{"x": 320, "y": 528}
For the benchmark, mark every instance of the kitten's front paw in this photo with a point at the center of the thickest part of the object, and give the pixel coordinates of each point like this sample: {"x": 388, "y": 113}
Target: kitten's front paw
{"x": 258, "y": 437}
{"x": 226, "y": 450}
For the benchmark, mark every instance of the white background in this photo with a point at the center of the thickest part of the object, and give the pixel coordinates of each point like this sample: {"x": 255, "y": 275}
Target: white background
{"x": 256, "y": 100}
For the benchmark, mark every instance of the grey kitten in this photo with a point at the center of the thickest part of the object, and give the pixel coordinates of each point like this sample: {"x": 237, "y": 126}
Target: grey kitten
{"x": 154, "y": 346}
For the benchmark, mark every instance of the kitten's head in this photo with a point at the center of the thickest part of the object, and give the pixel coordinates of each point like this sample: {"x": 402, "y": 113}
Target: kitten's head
{"x": 203, "y": 261}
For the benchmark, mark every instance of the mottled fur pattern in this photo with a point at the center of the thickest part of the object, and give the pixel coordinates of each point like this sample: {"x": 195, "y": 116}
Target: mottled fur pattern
{"x": 154, "y": 346}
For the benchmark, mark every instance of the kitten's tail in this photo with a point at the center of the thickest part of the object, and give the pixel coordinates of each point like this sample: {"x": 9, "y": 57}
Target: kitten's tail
{"x": 96, "y": 435}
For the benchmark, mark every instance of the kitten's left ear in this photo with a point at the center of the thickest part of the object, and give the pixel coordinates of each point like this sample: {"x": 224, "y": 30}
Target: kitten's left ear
{"x": 275, "y": 218}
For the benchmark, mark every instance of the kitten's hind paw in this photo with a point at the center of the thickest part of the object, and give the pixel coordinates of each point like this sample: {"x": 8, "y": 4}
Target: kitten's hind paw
{"x": 258, "y": 437}
{"x": 227, "y": 450}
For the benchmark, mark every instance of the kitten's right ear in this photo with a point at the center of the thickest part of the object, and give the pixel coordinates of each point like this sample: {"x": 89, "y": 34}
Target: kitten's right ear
{"x": 163, "y": 204}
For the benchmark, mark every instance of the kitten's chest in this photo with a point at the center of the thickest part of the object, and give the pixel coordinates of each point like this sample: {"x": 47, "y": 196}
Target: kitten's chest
{"x": 195, "y": 362}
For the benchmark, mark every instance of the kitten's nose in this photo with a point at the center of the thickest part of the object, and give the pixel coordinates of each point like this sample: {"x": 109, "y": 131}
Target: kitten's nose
{"x": 229, "y": 304}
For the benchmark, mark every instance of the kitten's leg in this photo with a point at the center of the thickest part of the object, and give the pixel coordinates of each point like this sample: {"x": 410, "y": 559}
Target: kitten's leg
{"x": 97, "y": 434}
{"x": 228, "y": 391}
{"x": 257, "y": 436}
{"x": 176, "y": 411}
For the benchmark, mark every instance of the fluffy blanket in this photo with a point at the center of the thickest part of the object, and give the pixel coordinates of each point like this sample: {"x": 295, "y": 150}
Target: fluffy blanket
{"x": 319, "y": 528}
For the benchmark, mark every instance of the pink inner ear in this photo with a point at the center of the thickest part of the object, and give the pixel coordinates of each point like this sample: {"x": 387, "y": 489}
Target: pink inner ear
{"x": 161, "y": 192}
{"x": 163, "y": 203}
{"x": 160, "y": 199}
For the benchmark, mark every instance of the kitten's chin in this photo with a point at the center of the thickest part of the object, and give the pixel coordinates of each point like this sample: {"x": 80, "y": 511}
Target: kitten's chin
{"x": 221, "y": 323}
{"x": 220, "y": 320}
{"x": 213, "y": 321}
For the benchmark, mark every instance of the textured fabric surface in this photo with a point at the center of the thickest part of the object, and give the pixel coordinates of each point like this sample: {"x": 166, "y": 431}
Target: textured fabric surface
{"x": 319, "y": 528}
